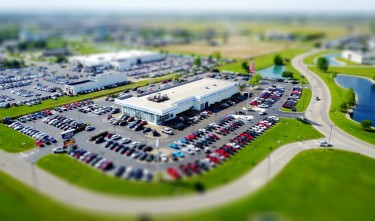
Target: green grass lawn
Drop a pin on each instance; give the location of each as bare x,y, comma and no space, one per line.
346,61
316,185
325,185
311,59
266,61
338,117
287,131
22,110
303,102
14,141
368,72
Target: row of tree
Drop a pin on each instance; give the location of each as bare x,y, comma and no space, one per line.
13,64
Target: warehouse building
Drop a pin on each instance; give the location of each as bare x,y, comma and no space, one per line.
119,61
359,57
97,81
162,106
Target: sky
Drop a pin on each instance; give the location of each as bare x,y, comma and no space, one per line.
189,5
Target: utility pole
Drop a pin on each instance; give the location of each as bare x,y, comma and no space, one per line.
158,160
330,133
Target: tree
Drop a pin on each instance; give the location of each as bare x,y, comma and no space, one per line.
245,66
350,97
343,106
61,59
216,54
287,74
278,60
255,80
366,124
197,61
322,64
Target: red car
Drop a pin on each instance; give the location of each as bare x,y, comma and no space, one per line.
109,135
213,136
39,143
173,173
48,112
193,167
214,159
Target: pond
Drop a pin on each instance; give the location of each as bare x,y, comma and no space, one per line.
274,71
365,91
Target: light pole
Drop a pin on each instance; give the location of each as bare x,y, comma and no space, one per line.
193,127
114,129
33,174
330,133
34,124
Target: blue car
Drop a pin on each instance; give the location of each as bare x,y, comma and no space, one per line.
174,146
184,140
178,154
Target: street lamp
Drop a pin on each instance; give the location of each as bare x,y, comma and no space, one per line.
34,124
114,129
33,175
330,133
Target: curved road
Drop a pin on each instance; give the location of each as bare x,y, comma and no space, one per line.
317,113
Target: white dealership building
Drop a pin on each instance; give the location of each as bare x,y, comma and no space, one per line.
359,57
119,61
162,106
95,81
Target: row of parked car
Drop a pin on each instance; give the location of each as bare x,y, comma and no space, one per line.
15,84
35,116
44,87
222,153
57,80
62,122
4,98
73,105
24,93
268,97
40,137
293,98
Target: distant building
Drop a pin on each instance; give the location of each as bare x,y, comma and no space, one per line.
118,60
279,36
359,57
95,82
27,35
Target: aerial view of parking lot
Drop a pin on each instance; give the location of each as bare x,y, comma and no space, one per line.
202,110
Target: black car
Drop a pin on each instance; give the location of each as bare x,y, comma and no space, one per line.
155,133
119,171
146,130
178,126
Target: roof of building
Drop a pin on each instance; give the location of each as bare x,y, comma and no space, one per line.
193,90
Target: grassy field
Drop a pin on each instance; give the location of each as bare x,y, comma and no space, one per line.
287,131
338,117
13,141
237,47
316,185
368,72
265,61
22,110
311,59
346,61
303,102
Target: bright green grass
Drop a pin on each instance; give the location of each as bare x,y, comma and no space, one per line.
287,131
338,117
22,110
265,61
14,141
303,102
368,72
20,202
346,61
325,185
311,58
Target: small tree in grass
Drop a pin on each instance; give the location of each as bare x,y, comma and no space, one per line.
245,66
278,60
350,97
366,124
287,74
323,64
343,106
197,61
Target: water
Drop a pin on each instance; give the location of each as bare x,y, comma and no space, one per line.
365,91
332,61
274,71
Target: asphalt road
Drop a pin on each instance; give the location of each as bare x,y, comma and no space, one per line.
317,113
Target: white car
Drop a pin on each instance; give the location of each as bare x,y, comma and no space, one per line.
125,140
262,113
128,172
163,158
58,150
323,143
167,130
116,137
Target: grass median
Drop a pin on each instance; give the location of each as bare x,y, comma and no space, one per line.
310,60
303,102
337,116
14,141
287,131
